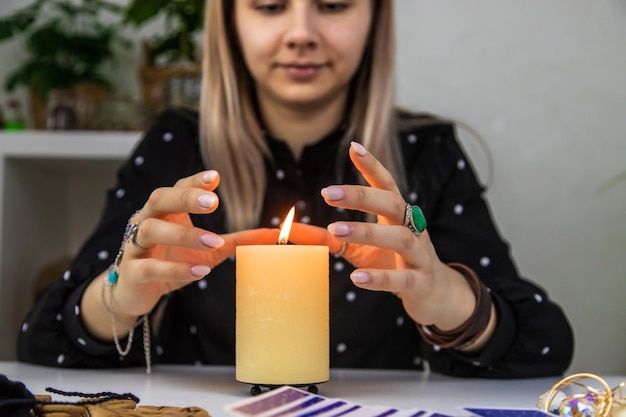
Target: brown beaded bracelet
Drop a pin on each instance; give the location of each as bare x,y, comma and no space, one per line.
473,327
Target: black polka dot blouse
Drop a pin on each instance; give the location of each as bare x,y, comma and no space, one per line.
367,329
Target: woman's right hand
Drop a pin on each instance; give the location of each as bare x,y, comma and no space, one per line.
168,252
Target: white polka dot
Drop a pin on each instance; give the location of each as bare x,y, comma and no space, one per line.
59,317
417,361
341,347
232,258
411,138
538,298
545,350
412,196
436,348
340,209
76,310
426,330
275,221
460,164
103,254
300,205
24,327
120,193
60,359
139,160
458,209
476,363
305,219
400,321
66,275
485,261
339,266
167,136
280,174
81,341
202,284
350,296
193,329
159,350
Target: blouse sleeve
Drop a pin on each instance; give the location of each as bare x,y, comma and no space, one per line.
52,333
533,338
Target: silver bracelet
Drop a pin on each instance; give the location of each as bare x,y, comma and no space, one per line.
110,281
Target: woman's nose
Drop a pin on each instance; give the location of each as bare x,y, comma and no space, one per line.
302,28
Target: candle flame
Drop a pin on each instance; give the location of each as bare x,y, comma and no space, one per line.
283,237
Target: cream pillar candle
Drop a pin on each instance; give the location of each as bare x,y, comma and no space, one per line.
282,334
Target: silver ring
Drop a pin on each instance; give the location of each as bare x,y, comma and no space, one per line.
414,219
131,235
341,251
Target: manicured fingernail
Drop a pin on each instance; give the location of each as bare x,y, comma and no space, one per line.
209,176
200,270
339,229
212,241
207,200
333,193
360,277
358,148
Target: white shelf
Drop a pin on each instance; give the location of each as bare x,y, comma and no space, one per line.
52,188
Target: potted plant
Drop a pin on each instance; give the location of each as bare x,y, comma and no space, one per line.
67,44
170,68
183,22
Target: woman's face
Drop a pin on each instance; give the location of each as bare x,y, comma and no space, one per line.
302,52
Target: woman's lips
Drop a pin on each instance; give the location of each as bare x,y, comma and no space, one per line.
302,71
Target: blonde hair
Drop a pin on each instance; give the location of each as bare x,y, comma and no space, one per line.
231,137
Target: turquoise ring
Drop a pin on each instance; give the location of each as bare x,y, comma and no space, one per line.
414,219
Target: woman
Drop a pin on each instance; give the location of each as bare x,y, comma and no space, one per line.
297,102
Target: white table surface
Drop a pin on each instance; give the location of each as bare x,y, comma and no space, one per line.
212,387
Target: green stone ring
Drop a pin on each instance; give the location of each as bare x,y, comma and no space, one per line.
414,219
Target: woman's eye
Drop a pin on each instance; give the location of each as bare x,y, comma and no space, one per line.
270,8
333,6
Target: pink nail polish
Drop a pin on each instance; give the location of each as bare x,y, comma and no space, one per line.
209,176
207,200
339,229
333,193
358,148
200,270
212,241
360,277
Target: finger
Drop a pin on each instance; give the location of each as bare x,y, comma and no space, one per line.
381,202
173,200
306,234
393,280
152,232
413,250
209,180
193,194
155,270
372,170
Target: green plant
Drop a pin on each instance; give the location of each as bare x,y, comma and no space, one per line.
183,21
66,40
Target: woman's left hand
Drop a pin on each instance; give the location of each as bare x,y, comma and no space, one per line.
388,255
